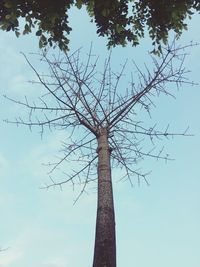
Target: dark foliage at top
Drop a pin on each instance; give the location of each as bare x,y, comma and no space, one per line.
121,21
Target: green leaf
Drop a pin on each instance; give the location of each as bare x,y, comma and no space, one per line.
105,12
8,17
119,28
8,4
27,29
190,12
79,4
38,33
17,33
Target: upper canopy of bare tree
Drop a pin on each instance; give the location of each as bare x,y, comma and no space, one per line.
80,97
121,21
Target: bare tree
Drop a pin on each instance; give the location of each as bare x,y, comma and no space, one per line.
102,120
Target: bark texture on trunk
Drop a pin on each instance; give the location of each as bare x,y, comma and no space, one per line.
105,243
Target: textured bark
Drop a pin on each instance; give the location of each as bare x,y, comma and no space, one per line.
105,243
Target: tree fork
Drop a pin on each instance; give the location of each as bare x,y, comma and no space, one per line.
105,242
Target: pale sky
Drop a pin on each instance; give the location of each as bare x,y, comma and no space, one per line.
156,225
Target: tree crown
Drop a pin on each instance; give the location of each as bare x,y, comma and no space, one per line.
85,102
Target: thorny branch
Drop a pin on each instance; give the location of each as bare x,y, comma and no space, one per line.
82,100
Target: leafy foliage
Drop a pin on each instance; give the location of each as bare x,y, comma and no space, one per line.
121,21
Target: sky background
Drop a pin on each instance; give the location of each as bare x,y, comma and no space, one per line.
156,225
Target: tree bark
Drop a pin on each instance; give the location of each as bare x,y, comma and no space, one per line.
105,243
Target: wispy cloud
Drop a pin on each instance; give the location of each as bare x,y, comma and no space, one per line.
10,256
43,153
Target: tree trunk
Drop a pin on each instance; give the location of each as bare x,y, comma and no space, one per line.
105,243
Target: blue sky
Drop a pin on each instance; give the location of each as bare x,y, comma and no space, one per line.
157,225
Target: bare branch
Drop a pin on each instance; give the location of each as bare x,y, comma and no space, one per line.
84,101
